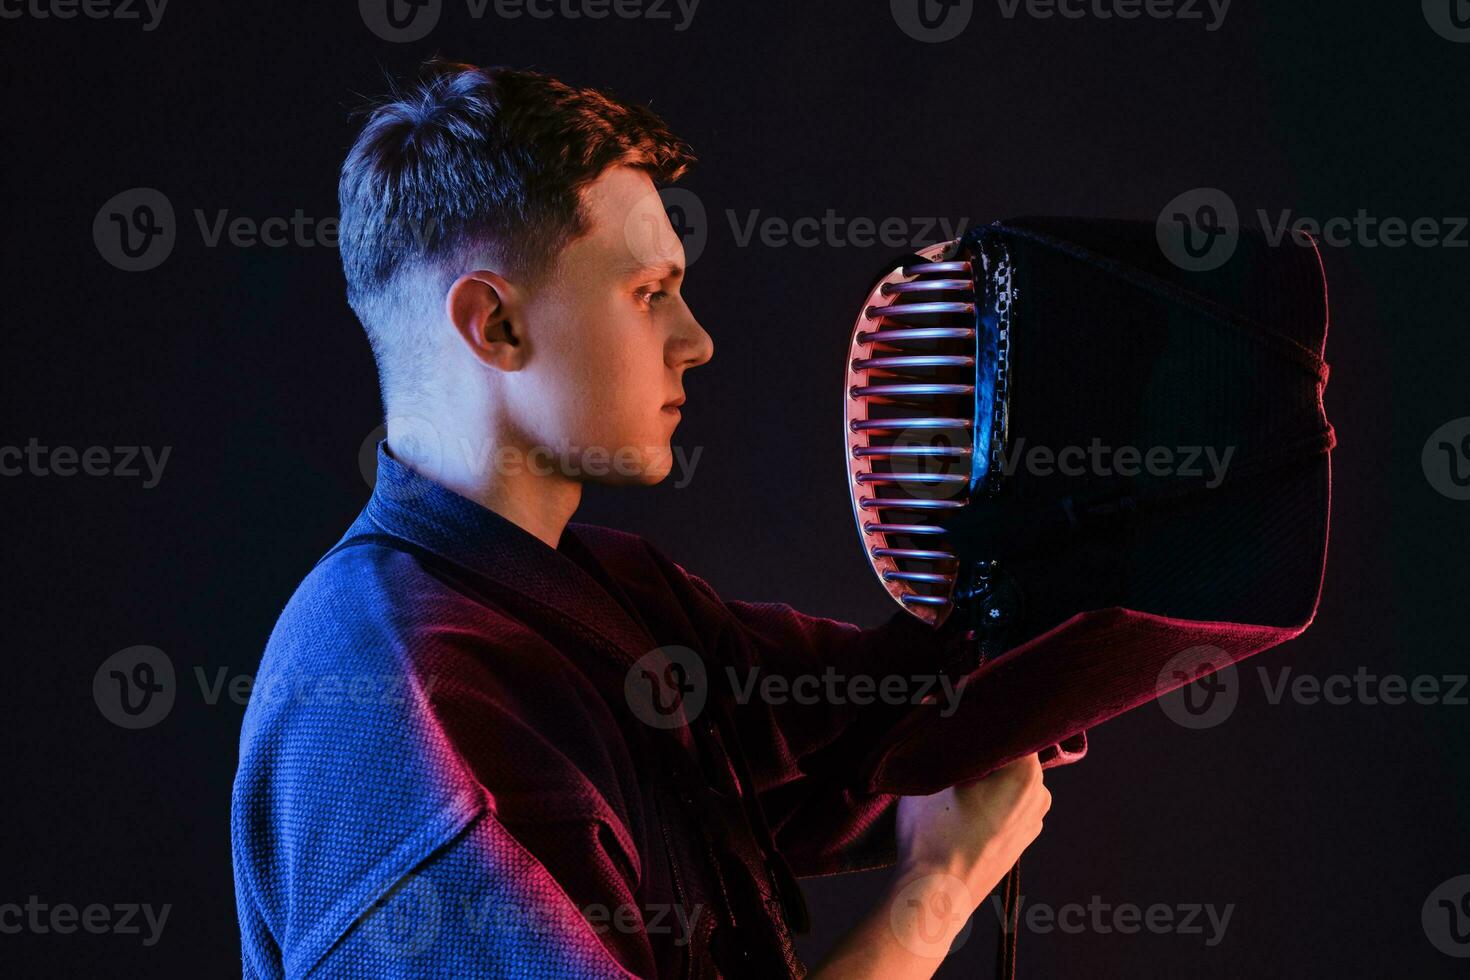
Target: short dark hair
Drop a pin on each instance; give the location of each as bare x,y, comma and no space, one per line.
470,162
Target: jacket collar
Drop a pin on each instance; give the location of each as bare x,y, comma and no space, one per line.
408,504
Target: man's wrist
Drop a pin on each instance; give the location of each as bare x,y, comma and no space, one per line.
908,934
928,907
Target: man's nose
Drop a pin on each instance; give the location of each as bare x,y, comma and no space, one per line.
696,346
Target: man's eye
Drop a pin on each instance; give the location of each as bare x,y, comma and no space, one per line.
651,296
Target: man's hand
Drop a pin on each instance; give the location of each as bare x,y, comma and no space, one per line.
976,831
953,849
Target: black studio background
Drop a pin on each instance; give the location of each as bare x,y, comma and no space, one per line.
1325,827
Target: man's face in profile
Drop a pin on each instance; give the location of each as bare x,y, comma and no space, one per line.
612,338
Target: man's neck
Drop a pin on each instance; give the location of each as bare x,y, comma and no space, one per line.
509,483
540,505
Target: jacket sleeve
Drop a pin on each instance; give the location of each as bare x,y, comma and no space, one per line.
812,697
397,814
483,906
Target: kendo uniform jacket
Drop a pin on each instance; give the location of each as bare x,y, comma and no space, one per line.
454,764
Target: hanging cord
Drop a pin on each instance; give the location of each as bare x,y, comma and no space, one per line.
1010,922
990,606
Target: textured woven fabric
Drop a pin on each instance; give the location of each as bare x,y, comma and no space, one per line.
441,772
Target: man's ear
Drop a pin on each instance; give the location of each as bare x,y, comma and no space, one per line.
485,310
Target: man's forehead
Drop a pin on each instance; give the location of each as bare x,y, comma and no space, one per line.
617,189
627,225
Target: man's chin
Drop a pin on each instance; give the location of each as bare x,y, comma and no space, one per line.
657,470
651,468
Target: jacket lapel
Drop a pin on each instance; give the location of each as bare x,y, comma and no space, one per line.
411,506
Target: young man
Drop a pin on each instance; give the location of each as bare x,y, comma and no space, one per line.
485,741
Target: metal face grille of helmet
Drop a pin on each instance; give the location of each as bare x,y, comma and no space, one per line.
925,403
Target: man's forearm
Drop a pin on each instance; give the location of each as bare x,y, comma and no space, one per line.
908,933
954,846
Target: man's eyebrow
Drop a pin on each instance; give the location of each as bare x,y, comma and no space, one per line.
665,270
